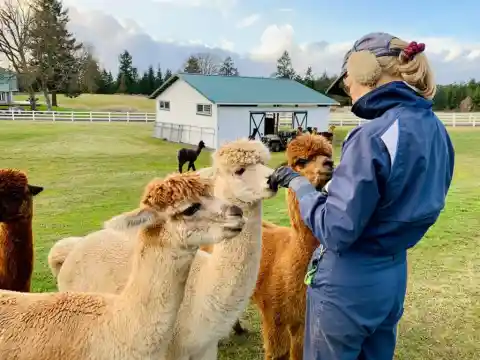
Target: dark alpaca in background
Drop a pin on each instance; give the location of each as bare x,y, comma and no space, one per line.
189,155
16,238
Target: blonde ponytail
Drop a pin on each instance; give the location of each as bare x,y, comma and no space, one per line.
415,70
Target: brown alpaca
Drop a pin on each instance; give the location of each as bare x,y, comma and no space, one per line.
280,291
16,240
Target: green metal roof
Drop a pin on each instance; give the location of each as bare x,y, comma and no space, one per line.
249,90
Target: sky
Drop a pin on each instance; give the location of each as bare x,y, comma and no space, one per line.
316,33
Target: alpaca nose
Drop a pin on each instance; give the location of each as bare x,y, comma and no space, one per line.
234,211
328,163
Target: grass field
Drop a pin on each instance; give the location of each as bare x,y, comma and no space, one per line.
97,102
94,171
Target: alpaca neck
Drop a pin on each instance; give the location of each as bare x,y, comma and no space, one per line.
307,242
199,150
16,254
233,266
149,303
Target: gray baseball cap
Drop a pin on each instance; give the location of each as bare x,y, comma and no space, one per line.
377,43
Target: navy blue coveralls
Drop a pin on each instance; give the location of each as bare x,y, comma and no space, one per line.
388,189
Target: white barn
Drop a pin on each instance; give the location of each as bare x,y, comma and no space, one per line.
216,109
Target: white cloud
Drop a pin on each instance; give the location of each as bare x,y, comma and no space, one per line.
110,37
214,4
248,21
227,45
451,59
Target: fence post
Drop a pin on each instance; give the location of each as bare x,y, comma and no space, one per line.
146,117
91,118
109,116
33,115
454,120
341,121
13,115
53,116
473,120
128,117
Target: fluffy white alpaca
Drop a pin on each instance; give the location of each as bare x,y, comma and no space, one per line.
220,284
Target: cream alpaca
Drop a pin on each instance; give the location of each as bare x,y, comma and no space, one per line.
219,285
177,215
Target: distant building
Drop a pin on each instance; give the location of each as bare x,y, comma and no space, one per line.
217,109
8,85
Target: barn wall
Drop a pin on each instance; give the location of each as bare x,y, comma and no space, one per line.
234,122
181,123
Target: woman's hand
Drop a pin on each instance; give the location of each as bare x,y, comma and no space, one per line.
281,177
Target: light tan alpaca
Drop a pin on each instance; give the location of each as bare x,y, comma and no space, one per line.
178,215
220,284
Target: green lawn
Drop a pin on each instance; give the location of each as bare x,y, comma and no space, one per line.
98,102
94,171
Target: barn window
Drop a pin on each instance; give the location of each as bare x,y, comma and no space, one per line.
164,105
204,109
3,96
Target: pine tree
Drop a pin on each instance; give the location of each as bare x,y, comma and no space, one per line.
151,80
158,77
228,68
308,79
192,65
125,77
284,67
54,50
168,75
135,82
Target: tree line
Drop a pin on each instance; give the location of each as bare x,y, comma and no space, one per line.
47,58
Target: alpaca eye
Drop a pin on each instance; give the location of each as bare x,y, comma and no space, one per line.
192,209
301,162
240,171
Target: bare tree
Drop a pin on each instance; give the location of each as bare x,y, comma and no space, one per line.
89,70
16,21
208,63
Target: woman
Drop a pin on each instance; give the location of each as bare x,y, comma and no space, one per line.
386,192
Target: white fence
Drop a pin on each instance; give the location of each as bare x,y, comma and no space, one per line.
77,116
187,134
448,118
335,118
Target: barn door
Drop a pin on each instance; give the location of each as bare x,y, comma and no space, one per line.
300,119
256,120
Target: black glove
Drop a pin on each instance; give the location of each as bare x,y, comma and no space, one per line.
281,177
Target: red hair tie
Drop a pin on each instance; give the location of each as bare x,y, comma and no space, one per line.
413,49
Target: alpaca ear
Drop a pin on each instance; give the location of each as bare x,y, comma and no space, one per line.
137,218
35,190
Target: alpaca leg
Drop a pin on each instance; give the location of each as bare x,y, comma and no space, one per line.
180,167
191,165
296,341
275,339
